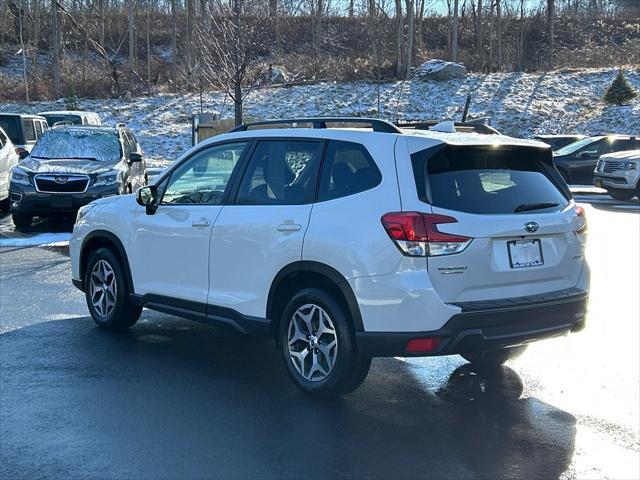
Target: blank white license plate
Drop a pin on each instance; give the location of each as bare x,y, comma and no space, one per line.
525,253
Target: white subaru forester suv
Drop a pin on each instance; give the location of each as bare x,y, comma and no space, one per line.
345,244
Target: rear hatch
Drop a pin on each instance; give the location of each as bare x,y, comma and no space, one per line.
526,235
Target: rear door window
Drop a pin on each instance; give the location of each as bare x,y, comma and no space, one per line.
486,180
29,131
281,172
348,169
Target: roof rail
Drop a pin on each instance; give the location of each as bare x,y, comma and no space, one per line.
377,124
468,126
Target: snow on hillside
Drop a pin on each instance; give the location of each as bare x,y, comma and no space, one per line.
521,104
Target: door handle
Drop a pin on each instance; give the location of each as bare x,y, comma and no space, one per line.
203,222
289,227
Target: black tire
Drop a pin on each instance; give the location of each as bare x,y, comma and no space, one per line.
123,314
621,195
350,368
494,358
21,221
4,205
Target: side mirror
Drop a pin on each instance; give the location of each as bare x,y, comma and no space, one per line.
148,198
588,155
23,154
135,157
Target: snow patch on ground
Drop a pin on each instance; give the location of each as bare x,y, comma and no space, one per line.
521,104
41,239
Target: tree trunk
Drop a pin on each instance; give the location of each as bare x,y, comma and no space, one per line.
132,47
237,86
551,13
174,43
479,31
25,79
55,42
499,33
399,29
410,34
190,15
101,15
454,35
521,40
491,28
149,46
419,23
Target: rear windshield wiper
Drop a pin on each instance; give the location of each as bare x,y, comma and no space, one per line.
526,207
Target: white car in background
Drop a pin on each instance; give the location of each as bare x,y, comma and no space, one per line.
71,117
8,159
345,244
619,174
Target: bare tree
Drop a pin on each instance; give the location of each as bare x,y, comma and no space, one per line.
174,43
454,34
499,33
399,38
410,34
551,13
132,40
55,42
227,42
23,50
479,32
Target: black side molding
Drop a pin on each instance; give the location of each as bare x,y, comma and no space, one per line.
204,313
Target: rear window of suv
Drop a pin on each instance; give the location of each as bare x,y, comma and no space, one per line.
488,180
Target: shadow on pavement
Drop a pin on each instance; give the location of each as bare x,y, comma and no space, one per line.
174,399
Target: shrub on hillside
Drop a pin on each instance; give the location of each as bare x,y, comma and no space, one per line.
620,92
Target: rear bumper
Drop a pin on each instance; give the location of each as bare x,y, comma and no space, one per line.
490,325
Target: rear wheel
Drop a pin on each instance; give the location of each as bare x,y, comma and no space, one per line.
21,221
318,345
107,293
622,195
494,358
4,205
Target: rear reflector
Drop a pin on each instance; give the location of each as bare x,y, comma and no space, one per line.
416,234
423,345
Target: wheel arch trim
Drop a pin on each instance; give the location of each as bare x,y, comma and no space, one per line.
114,241
307,266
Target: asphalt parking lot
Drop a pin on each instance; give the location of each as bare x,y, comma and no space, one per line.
175,399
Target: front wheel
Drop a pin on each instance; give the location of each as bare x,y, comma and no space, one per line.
107,293
621,195
21,221
494,358
318,345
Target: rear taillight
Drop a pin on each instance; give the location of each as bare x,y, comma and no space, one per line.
416,234
581,231
20,150
423,345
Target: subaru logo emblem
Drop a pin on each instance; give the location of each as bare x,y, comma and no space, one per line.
531,227
62,179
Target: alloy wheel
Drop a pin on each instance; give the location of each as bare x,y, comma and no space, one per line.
312,342
104,288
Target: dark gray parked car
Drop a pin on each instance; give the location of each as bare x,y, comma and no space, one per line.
71,166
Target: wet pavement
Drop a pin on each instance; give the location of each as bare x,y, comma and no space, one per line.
175,399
